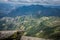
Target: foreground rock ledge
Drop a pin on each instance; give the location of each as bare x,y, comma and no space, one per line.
11,34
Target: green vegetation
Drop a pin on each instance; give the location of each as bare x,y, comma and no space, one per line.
42,27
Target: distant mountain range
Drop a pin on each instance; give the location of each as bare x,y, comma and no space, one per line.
40,10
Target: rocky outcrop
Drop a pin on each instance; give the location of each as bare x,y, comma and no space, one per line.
11,34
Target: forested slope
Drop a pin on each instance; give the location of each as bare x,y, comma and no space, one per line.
43,27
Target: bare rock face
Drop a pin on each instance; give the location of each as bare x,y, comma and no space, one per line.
10,34
5,34
33,38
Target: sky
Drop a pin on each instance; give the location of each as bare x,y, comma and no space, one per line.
52,2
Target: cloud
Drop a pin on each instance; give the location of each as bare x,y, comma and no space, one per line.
3,0
54,2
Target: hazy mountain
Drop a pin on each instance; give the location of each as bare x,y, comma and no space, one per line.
4,9
36,10
39,10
